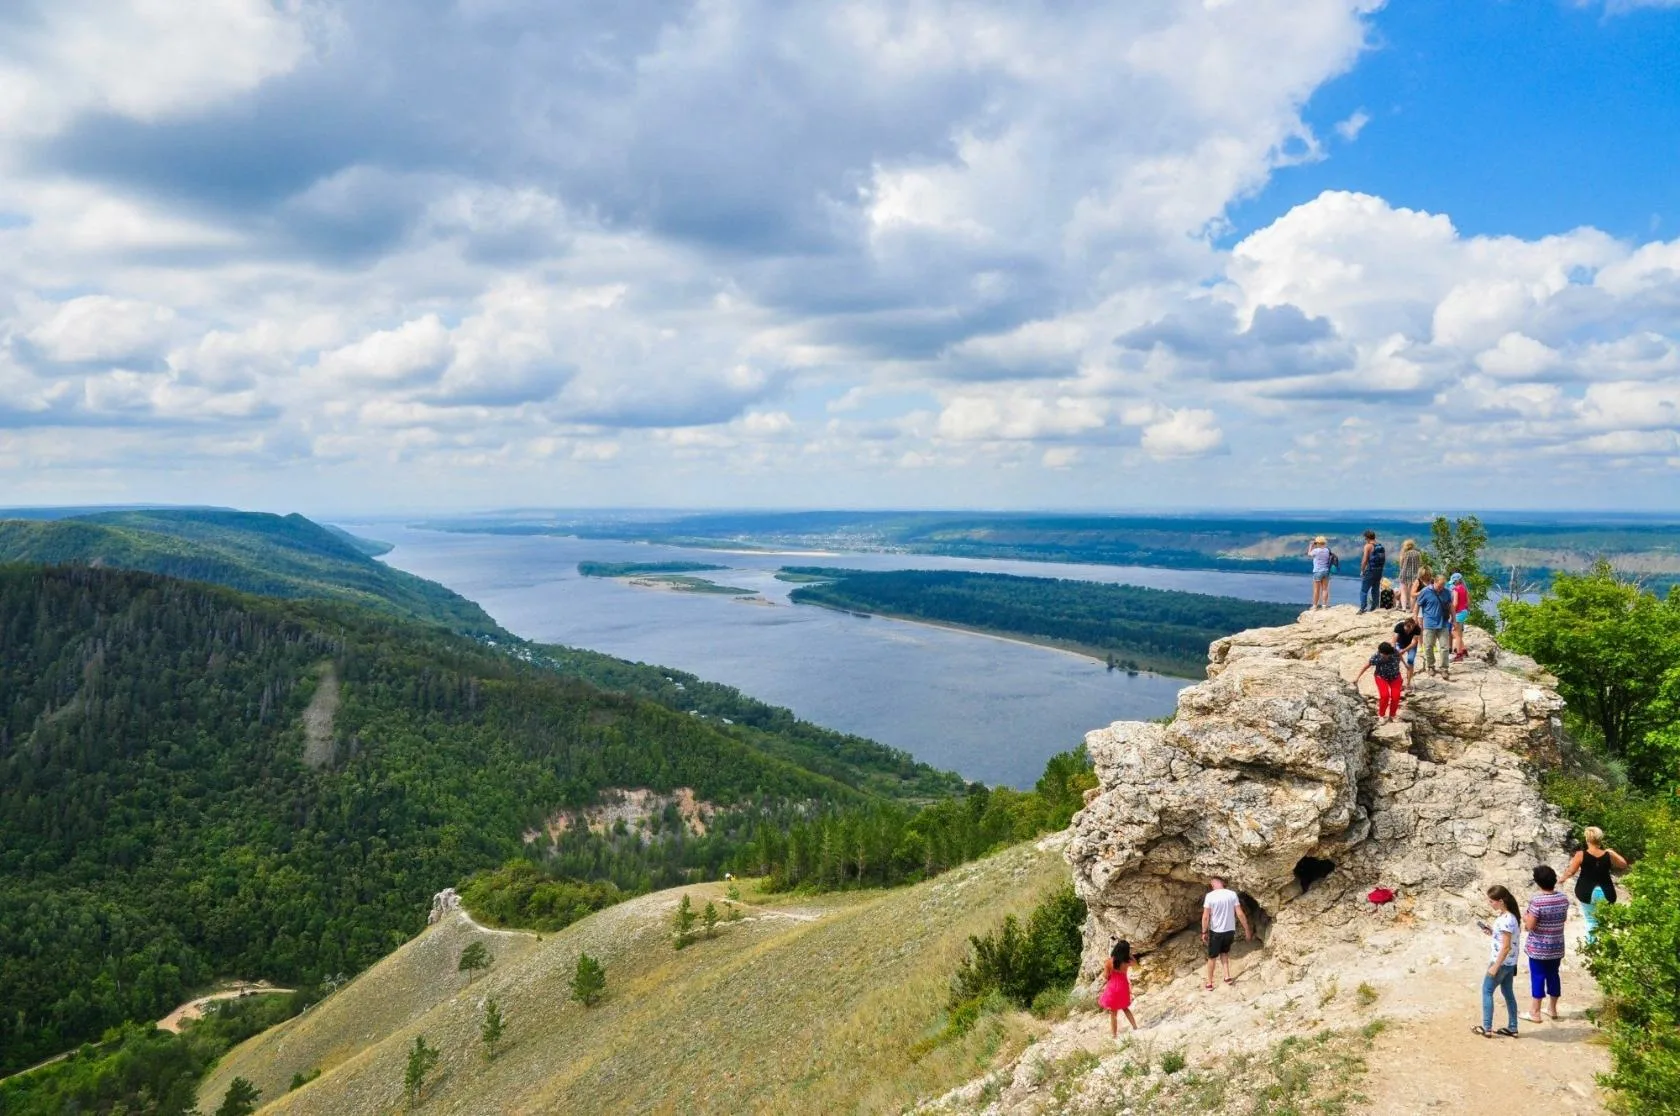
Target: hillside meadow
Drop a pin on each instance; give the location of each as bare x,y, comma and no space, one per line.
811,1004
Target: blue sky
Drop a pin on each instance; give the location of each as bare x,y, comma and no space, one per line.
1517,117
360,255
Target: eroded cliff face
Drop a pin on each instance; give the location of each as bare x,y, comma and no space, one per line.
1276,767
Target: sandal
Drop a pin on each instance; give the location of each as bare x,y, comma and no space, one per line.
1207,988
1507,1032
1478,1029
1230,980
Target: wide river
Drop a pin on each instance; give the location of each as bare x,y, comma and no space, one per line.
991,709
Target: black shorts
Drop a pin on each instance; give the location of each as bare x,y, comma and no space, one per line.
1219,942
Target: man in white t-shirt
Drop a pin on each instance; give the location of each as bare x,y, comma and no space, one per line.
1221,912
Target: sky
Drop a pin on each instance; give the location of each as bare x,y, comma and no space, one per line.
348,256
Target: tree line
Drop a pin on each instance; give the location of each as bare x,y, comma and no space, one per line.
1162,629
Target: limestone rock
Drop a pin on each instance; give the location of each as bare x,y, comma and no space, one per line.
444,903
1277,758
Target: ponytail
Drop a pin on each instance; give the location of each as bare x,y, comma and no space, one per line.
1500,894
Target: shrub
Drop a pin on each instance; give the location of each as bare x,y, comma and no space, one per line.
1636,958
1022,964
1627,816
1172,1061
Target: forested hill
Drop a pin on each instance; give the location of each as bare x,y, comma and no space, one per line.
1153,629
159,826
273,555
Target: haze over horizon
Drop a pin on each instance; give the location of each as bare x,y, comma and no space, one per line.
353,256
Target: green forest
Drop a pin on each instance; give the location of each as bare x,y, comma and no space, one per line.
1133,627
271,555
158,827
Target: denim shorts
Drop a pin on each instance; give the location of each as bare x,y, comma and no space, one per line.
1325,576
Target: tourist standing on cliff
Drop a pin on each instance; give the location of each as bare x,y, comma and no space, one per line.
1372,557
1594,865
1411,565
1461,613
1221,912
1434,611
1320,554
1544,919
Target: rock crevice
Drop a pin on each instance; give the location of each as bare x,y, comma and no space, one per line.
1278,759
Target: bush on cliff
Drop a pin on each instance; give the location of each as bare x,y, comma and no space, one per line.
1021,964
1636,959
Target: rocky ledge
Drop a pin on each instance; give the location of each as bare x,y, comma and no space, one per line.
1275,774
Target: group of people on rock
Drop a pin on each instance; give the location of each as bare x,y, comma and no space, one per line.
1439,607
1538,931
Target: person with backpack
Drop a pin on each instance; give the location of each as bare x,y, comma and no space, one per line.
1322,559
1371,560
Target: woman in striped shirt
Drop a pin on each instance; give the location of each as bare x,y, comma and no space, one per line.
1544,921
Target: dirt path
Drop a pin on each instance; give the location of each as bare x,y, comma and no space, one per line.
318,745
483,929
1435,1065
193,1009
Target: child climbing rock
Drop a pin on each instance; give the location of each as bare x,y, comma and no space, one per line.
1386,663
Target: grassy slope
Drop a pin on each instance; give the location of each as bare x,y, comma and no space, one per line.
271,555
775,1015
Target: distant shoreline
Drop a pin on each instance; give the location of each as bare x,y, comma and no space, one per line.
1078,651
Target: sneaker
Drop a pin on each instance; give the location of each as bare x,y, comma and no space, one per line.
1361,612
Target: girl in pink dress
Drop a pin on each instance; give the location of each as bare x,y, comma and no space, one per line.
1116,995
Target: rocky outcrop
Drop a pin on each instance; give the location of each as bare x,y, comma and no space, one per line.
1275,770
444,903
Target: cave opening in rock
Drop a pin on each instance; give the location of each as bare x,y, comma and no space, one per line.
1310,869
1259,918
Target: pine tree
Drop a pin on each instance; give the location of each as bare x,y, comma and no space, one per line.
421,1060
491,1029
684,922
474,958
709,917
240,1099
589,981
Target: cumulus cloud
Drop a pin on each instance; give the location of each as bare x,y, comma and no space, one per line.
1184,433
512,237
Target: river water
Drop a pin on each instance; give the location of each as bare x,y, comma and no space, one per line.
991,709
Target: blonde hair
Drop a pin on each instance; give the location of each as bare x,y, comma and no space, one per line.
1594,835
1320,540
1409,544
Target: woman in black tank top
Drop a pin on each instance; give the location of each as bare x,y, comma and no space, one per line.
1594,866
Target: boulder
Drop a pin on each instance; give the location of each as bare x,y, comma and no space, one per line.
1275,775
443,904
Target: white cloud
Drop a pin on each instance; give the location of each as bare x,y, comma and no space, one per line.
1350,128
101,328
416,350
141,58
1183,433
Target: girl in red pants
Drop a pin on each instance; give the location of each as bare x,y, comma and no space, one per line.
1387,665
